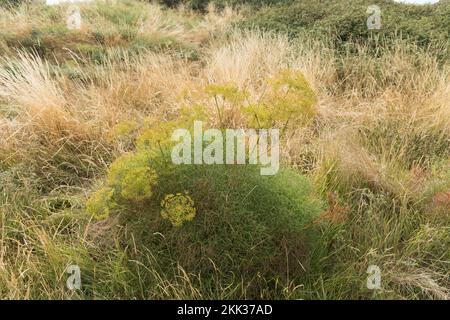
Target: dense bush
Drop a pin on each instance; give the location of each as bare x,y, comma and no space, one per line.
202,4
346,20
228,220
193,4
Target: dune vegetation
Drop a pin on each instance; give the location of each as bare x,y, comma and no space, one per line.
86,179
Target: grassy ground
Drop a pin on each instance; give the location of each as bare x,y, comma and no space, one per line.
365,176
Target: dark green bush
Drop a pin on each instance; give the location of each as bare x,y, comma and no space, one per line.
202,4
345,21
193,4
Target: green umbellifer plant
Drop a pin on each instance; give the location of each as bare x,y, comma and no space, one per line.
217,218
132,177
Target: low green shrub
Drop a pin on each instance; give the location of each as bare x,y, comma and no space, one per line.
345,21
223,223
215,221
123,13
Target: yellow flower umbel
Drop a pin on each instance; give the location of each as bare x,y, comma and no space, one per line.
100,202
227,91
156,138
132,176
178,208
291,100
123,129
